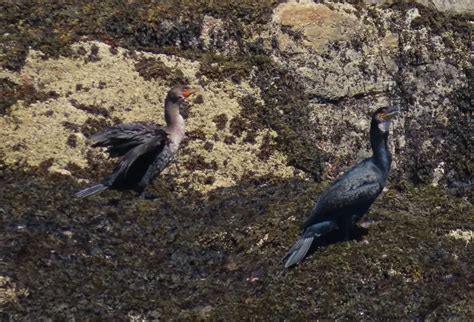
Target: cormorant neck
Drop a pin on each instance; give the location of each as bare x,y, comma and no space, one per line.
175,125
380,149
171,113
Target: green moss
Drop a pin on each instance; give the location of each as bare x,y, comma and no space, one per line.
266,148
220,121
72,141
286,111
199,163
14,58
92,109
51,26
94,125
11,92
222,67
150,68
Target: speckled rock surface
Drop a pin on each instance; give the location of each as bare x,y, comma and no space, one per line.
288,89
91,95
448,6
383,56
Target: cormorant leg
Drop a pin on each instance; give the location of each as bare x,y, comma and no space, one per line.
141,191
142,186
347,228
144,196
348,232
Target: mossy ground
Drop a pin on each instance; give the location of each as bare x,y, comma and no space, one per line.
113,256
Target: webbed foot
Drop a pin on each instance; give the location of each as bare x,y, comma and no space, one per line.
145,196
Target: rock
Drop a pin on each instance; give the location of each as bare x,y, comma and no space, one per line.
317,71
129,97
387,55
318,24
449,6
289,88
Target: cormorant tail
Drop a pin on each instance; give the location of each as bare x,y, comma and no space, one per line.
298,252
91,190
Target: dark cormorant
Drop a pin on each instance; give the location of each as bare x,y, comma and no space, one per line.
145,150
350,196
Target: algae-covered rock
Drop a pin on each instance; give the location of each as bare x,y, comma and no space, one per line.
288,90
119,88
452,7
366,58
292,66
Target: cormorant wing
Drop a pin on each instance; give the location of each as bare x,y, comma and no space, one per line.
355,189
131,141
123,138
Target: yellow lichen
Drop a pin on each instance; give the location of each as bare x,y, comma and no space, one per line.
318,23
465,235
9,292
111,83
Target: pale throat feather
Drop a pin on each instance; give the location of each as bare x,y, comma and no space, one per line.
176,132
384,126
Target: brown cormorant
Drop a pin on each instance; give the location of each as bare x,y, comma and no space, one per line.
145,150
350,196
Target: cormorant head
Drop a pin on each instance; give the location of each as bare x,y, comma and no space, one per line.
179,93
382,117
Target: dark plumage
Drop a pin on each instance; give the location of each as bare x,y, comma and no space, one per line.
350,196
145,150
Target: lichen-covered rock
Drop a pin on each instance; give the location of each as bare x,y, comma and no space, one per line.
306,61
387,56
288,89
92,95
449,6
